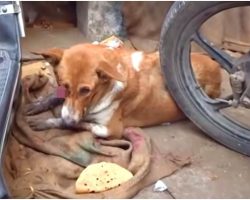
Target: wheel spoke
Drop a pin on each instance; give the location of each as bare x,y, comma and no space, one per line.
218,103
221,105
226,61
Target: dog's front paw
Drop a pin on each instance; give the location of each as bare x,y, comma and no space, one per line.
82,126
39,124
33,108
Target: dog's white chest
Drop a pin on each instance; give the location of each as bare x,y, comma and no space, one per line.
105,109
104,116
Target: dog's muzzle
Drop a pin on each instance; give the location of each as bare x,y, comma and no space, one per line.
69,116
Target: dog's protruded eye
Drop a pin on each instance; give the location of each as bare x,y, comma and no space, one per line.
84,90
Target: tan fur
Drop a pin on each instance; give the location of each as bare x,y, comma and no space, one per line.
144,100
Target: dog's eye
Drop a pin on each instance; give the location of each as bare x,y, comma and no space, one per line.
84,90
66,86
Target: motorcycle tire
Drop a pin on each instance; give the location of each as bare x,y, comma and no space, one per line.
181,22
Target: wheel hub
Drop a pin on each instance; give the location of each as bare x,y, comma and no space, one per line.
240,82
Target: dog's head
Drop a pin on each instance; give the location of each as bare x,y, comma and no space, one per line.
88,72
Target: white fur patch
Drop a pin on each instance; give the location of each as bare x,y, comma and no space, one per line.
113,44
65,111
99,130
136,59
104,110
95,42
108,98
118,86
104,116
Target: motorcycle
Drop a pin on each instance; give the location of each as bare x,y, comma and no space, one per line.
12,28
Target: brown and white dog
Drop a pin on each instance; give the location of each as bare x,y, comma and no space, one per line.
109,89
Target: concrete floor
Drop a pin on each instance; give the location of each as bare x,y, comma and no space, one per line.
216,172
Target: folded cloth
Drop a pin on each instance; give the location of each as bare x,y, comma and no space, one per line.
46,164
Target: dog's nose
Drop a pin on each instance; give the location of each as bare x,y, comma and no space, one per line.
69,121
68,116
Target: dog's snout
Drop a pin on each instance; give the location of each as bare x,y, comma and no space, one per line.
69,122
69,115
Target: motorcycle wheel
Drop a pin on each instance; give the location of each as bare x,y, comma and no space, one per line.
180,28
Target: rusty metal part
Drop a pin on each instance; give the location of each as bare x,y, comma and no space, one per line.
240,82
237,80
245,102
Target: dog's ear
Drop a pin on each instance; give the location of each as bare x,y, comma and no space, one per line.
53,56
106,72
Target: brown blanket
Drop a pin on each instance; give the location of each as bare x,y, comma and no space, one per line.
46,164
